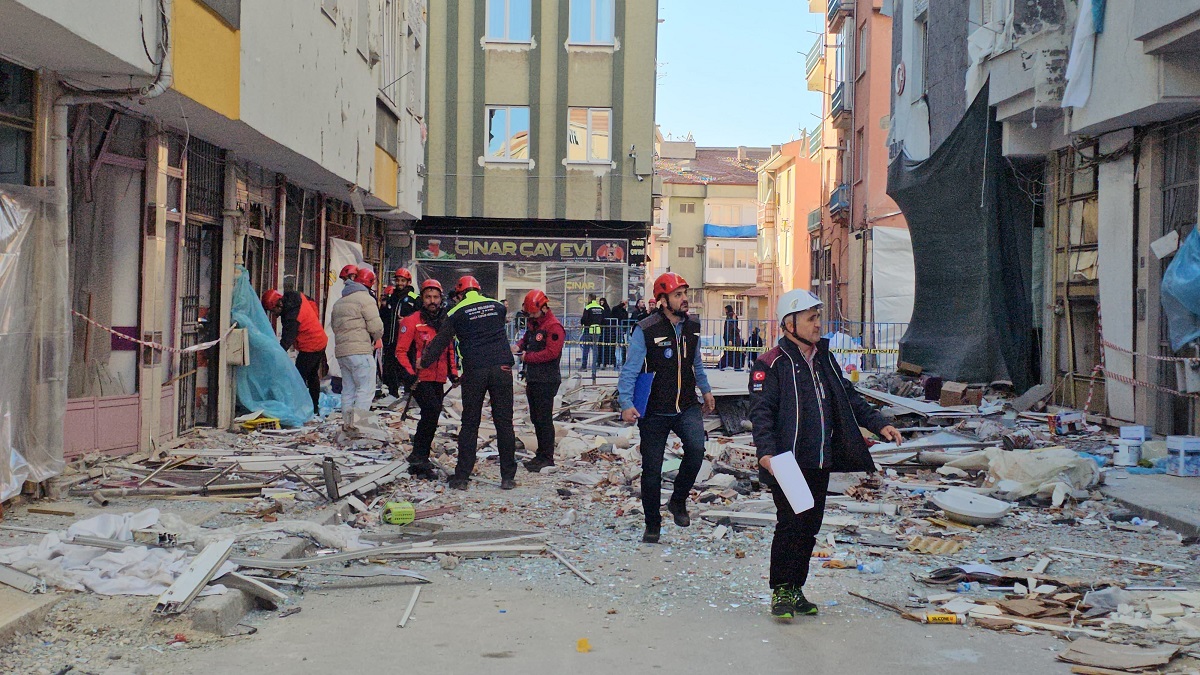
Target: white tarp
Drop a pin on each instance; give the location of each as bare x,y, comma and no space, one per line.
1082,59
893,285
341,253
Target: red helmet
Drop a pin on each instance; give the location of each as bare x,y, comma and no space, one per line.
431,283
667,283
387,290
270,299
402,273
365,276
467,283
348,272
534,300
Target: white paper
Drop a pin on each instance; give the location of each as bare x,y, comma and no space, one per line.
787,473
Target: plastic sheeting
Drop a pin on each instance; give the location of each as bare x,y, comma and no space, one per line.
971,228
34,335
1181,293
271,382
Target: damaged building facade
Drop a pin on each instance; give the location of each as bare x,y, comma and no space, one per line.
184,141
1086,116
542,154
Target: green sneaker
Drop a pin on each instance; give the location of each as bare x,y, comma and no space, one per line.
783,603
803,606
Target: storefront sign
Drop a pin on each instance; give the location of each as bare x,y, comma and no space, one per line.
637,251
455,247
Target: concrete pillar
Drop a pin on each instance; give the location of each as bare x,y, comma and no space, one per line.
153,290
1115,237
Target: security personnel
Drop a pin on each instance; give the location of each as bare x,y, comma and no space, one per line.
540,349
800,403
302,330
666,344
416,332
478,323
400,302
591,327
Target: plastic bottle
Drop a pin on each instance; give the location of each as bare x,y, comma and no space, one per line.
871,567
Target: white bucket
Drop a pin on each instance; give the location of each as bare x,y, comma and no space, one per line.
1127,452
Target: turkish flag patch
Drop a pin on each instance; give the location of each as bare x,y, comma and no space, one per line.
759,375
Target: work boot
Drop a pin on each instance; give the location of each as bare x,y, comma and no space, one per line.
457,483
783,602
508,483
803,606
422,471
536,464
650,536
679,513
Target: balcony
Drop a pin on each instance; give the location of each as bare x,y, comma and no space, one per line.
814,143
840,106
817,6
766,215
839,201
662,232
838,11
814,220
814,65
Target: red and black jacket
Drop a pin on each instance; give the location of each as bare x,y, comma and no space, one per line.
543,344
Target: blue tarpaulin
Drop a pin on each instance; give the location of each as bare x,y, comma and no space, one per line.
271,382
731,231
1180,294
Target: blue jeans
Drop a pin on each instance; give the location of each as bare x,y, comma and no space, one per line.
587,339
689,427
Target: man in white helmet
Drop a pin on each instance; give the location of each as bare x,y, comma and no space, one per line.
800,403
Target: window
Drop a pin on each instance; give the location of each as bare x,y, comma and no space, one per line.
16,123
329,7
364,29
720,257
588,135
737,302
860,155
507,134
814,263
592,22
391,64
861,65
920,59
687,207
509,21
695,298
687,252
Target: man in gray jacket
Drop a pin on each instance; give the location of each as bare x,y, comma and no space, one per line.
357,329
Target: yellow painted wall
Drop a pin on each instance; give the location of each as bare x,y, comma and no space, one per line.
386,170
207,56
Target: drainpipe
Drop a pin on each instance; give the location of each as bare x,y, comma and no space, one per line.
166,73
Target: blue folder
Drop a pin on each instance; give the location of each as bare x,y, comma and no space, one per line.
641,392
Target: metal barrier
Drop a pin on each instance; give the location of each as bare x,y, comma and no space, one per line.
867,346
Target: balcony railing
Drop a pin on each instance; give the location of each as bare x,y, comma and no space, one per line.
814,143
814,56
766,214
839,201
840,105
814,220
838,10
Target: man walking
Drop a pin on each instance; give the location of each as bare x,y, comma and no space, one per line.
540,349
665,344
620,317
799,403
401,302
428,385
356,328
478,323
591,324
302,330
733,337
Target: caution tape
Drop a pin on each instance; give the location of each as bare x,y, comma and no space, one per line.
1138,383
1152,357
154,345
757,350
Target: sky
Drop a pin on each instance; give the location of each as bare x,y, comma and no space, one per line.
731,72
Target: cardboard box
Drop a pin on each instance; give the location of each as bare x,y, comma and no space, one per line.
972,397
952,394
1189,443
1136,433
1065,423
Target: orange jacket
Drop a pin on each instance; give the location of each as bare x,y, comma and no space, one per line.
415,335
301,324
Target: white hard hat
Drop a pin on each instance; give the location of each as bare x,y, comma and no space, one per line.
795,301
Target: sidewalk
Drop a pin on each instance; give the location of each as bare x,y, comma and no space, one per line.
1171,500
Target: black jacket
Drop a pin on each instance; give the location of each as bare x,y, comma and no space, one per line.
781,376
479,324
672,360
396,306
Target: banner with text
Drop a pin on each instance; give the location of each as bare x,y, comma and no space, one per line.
531,249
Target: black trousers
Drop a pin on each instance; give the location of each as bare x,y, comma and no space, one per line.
541,411
796,533
497,383
428,396
391,370
309,365
654,429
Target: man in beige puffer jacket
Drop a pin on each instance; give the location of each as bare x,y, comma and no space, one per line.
356,329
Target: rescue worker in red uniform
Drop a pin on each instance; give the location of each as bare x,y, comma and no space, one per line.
540,350
301,329
415,333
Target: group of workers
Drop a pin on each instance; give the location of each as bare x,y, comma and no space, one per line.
799,401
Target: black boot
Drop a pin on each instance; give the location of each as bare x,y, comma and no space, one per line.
650,536
679,513
536,464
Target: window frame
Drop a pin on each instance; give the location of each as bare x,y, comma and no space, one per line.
571,4
507,158
588,137
507,23
687,207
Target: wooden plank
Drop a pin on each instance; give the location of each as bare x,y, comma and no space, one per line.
562,559
412,602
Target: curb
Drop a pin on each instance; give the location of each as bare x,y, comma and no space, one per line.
23,613
1185,527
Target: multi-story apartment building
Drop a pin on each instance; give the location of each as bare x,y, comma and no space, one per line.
176,143
1084,142
541,147
789,214
706,226
861,250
